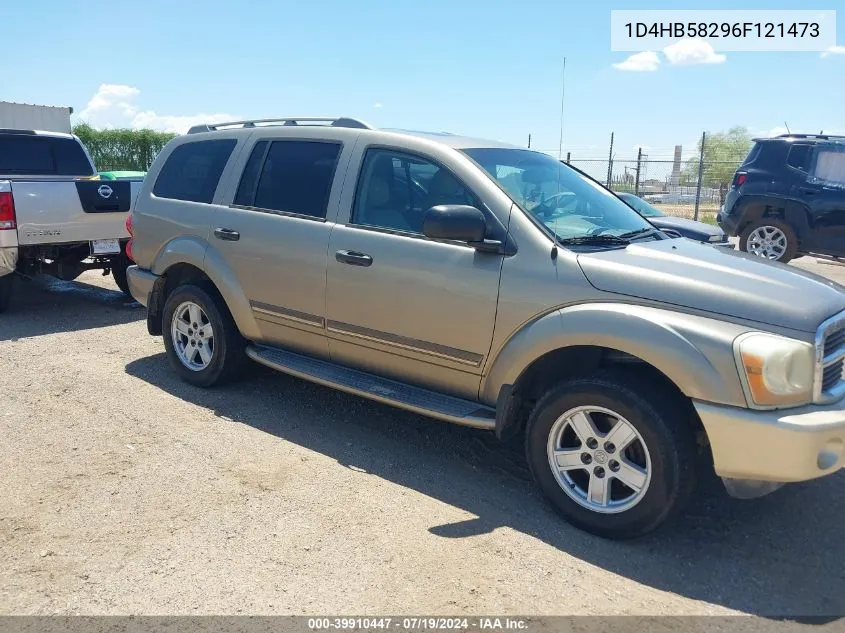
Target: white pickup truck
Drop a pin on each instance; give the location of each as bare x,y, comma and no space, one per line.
56,216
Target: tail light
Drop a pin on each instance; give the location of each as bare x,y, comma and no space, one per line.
129,230
739,178
7,211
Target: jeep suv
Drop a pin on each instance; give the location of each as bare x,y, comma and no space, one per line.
788,198
445,276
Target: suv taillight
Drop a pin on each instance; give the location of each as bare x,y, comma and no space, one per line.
7,211
739,178
129,230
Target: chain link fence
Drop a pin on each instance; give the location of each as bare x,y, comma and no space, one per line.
690,184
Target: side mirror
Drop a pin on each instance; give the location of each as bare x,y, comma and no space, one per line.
458,222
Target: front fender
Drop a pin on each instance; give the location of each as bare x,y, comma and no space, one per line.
696,353
198,253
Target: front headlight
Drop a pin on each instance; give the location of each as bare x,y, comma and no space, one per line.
714,238
777,371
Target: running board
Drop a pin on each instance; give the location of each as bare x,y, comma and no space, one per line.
392,392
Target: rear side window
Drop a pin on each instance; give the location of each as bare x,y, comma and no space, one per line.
296,178
43,156
799,157
192,170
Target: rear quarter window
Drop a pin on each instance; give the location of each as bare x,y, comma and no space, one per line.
192,170
34,155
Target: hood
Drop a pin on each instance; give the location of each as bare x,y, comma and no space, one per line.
716,280
686,227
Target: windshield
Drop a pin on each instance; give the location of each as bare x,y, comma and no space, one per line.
570,205
642,207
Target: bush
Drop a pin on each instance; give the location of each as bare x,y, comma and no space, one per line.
132,150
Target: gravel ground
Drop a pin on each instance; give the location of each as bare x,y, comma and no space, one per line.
127,491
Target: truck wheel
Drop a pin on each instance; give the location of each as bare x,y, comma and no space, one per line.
612,455
118,271
770,239
202,341
6,282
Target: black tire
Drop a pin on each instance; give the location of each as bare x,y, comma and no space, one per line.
6,284
228,359
663,420
791,239
118,272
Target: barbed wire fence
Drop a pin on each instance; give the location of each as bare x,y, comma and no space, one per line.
683,182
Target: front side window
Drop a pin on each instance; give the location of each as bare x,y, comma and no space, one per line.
395,190
192,170
567,203
296,178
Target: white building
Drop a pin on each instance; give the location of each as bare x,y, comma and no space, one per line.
25,116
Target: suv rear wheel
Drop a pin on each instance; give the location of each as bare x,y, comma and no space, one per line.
612,455
770,239
202,341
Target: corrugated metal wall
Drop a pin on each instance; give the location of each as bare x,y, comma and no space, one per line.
24,116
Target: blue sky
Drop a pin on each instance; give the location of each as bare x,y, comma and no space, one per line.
489,69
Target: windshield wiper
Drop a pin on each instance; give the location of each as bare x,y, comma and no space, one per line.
598,240
648,230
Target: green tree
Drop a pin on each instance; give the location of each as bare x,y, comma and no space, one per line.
723,153
123,148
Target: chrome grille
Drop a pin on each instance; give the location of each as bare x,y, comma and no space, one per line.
830,360
834,342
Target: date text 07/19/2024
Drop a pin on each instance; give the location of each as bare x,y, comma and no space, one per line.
418,624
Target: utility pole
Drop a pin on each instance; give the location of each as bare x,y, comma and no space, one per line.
700,174
610,162
639,162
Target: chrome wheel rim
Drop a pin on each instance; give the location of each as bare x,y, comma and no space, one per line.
768,242
193,336
599,459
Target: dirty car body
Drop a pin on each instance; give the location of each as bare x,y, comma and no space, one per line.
426,272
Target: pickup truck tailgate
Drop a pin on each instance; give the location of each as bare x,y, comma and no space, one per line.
61,210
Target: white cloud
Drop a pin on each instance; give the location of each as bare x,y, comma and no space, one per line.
834,50
115,106
692,51
378,104
647,61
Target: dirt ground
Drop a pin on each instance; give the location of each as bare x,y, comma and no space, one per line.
126,491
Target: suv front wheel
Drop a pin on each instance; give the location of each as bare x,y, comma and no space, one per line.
202,341
613,456
770,239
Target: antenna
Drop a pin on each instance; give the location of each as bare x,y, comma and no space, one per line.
562,95
787,127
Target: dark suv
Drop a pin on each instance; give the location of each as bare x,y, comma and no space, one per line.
787,198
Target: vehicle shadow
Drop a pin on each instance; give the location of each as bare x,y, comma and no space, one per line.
776,556
45,305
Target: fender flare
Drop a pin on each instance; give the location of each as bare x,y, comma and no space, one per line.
695,353
200,254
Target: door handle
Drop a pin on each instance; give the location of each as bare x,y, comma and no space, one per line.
353,258
227,234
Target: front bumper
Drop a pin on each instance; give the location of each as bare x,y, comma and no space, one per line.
140,284
785,445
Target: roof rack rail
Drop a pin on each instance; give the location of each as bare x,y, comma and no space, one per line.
822,136
332,121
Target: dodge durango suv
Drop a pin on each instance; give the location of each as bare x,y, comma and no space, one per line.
492,286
